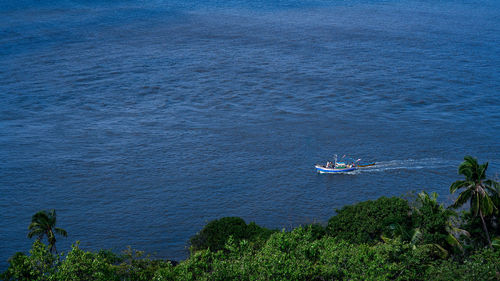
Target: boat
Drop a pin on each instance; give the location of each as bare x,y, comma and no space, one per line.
335,167
332,170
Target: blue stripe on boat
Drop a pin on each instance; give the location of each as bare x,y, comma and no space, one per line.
336,170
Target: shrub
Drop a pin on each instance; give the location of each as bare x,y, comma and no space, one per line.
81,265
39,265
297,255
215,234
365,222
135,265
482,265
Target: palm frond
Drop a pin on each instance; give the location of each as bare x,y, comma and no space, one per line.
457,185
423,197
36,232
495,242
40,215
416,237
453,241
442,251
434,197
462,198
487,205
492,186
468,168
52,217
457,231
465,169
482,171
34,225
61,231
41,219
469,159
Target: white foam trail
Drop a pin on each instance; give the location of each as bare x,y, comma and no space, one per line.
410,164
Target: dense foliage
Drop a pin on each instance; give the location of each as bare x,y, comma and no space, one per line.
38,265
434,225
383,239
295,255
365,222
215,234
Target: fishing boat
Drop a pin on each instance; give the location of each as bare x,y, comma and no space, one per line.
332,170
335,167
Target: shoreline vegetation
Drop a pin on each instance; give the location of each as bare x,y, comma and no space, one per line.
413,238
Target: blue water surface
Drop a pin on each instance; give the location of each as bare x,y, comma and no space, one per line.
140,121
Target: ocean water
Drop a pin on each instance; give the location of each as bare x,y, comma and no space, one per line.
140,121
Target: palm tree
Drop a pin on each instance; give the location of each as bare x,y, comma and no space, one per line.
433,226
43,223
477,190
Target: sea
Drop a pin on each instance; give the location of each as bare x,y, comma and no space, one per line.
140,121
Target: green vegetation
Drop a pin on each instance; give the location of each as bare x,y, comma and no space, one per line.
215,234
40,264
434,225
481,192
383,239
365,222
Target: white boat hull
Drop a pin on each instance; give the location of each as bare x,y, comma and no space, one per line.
324,170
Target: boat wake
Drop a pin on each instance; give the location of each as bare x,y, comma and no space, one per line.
410,164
